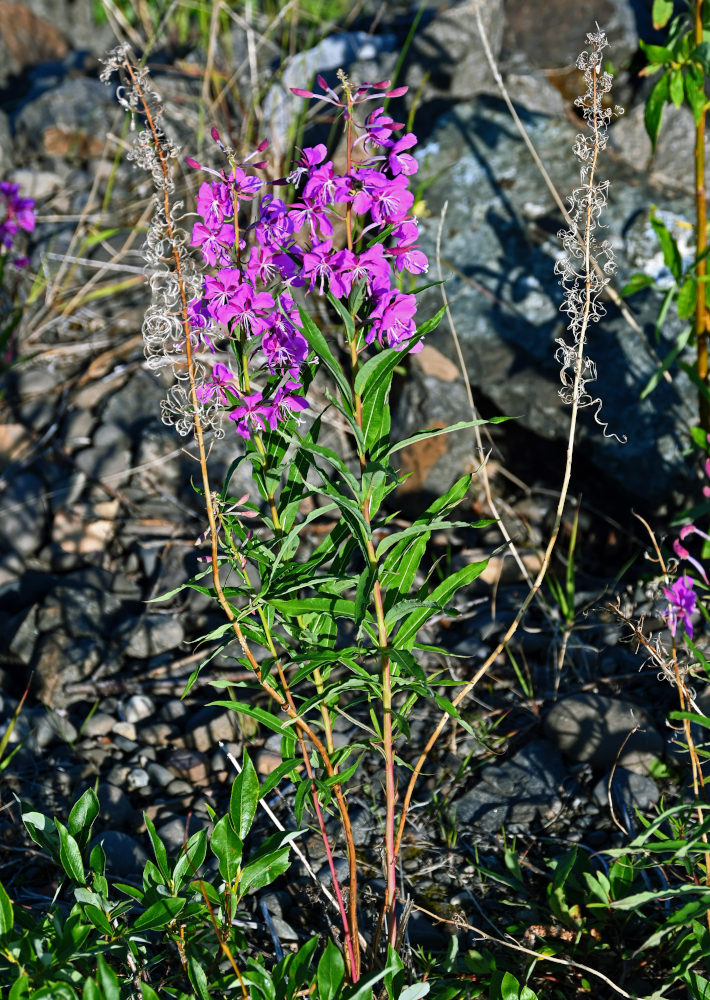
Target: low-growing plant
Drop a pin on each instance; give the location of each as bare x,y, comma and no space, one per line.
17,216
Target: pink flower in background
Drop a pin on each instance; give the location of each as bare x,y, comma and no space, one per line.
681,604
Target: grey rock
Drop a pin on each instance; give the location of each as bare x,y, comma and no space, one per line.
175,832
209,726
116,810
592,727
125,858
77,16
137,708
69,117
629,790
125,731
155,634
137,778
24,521
53,728
100,724
37,184
516,792
505,299
446,57
157,733
159,775
173,710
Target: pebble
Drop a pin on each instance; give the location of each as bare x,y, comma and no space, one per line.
53,728
137,778
190,765
153,635
115,806
158,733
208,727
124,733
175,831
635,791
125,858
100,724
267,761
173,710
592,727
137,708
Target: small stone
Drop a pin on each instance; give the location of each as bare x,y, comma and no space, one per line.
100,724
175,832
160,776
635,791
158,733
118,775
137,708
180,789
124,856
173,710
155,634
137,778
124,736
53,728
115,806
189,765
209,726
592,727
267,761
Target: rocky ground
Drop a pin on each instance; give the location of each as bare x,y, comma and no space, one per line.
98,516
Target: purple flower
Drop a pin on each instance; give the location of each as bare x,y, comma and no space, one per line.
221,377
379,127
250,308
318,263
220,291
312,156
274,227
214,204
19,214
252,414
215,244
401,162
394,315
286,403
681,605
325,187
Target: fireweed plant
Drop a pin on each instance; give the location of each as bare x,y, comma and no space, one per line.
16,216
337,625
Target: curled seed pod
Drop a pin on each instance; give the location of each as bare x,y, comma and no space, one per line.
587,263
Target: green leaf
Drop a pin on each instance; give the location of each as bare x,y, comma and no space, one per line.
394,974
107,980
198,978
99,919
675,87
654,108
345,315
669,247
263,870
161,855
227,848
694,83
636,283
82,816
336,606
440,595
245,708
330,974
414,992
90,991
701,54
657,53
319,344
435,432
686,297
159,914
7,916
148,993
667,362
244,798
191,858
661,13
700,720
20,987
70,855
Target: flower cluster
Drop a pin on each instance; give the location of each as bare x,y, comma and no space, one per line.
248,294
681,595
19,214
